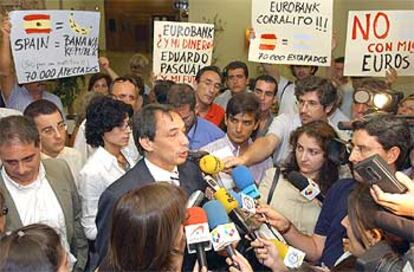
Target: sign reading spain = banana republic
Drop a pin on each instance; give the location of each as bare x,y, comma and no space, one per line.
49,44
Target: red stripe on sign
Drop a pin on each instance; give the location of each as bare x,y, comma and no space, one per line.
36,30
32,17
268,36
267,47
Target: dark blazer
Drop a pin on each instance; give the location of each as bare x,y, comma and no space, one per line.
60,179
190,180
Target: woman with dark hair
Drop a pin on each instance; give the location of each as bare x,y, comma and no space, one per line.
147,231
363,233
309,157
99,83
108,130
34,247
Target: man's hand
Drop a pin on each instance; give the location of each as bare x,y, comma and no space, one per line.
400,204
231,162
268,255
391,76
6,28
278,221
240,261
104,63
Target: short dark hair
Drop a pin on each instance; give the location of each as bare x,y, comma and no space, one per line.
211,68
41,107
35,247
236,65
314,69
327,93
268,79
102,115
21,128
180,95
389,131
161,88
145,123
245,102
98,76
126,78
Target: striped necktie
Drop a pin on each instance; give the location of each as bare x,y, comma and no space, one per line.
175,178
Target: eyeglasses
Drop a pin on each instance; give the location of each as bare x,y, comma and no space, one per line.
125,126
50,130
4,211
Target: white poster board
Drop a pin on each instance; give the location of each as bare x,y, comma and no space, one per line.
49,44
379,40
181,50
291,32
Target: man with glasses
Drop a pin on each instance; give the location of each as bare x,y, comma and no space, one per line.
208,84
265,89
317,97
199,131
52,130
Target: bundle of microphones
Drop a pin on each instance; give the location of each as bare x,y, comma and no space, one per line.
229,216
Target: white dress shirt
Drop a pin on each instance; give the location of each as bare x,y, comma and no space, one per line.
160,174
100,171
73,158
37,203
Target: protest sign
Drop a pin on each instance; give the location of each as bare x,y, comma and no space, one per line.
181,50
48,44
379,40
292,32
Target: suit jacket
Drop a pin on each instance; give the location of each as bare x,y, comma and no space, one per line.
190,180
60,179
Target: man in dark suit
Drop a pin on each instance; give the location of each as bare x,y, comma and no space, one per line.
160,135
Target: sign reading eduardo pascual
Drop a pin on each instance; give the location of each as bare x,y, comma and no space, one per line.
49,44
181,50
292,32
379,40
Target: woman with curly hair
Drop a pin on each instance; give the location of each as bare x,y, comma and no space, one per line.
147,232
310,158
108,129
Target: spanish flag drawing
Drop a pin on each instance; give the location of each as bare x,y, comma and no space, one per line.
267,42
37,23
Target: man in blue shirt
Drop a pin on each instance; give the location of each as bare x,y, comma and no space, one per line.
384,135
200,132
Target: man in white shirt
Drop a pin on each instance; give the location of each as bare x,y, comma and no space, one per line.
52,130
237,80
317,98
38,191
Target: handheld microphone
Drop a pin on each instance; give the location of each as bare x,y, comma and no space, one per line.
245,181
196,155
223,233
198,234
211,165
230,204
308,188
195,199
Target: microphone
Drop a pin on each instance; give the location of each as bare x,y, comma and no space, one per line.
196,155
211,165
308,188
197,234
195,199
223,233
245,181
397,225
230,205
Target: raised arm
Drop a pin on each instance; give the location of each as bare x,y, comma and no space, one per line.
104,63
7,79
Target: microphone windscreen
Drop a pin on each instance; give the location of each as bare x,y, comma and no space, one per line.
298,180
228,202
211,165
216,214
242,177
195,215
236,196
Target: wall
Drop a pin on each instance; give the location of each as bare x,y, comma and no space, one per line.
235,16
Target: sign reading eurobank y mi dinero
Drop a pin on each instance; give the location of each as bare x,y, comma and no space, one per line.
49,44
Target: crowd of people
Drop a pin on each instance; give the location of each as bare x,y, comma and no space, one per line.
117,198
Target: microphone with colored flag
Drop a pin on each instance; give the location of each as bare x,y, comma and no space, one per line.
308,188
231,205
198,234
244,180
223,232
